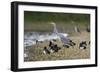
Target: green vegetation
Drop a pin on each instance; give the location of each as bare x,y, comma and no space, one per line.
37,21
56,17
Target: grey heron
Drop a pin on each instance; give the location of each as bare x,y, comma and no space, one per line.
64,39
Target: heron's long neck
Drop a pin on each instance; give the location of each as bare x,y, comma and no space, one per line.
55,30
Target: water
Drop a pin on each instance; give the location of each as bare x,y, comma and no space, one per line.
31,38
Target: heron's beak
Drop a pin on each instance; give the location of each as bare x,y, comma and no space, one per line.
54,24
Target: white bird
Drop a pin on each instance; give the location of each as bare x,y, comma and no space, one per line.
31,40
63,36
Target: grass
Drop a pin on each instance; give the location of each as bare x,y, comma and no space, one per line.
35,53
